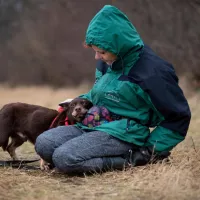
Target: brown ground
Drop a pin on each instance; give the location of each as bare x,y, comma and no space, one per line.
178,179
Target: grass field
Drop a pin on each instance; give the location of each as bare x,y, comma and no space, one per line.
179,179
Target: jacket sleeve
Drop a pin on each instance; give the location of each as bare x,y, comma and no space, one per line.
169,100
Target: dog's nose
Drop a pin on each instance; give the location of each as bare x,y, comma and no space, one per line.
78,109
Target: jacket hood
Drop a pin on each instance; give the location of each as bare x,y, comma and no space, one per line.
111,30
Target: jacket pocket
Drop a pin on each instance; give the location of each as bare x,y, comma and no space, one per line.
137,132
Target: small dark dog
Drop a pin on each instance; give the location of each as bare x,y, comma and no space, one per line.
25,122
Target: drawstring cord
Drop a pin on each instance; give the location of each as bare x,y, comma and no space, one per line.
122,64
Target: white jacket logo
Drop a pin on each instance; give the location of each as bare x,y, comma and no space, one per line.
112,95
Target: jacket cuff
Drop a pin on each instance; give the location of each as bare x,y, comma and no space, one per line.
163,139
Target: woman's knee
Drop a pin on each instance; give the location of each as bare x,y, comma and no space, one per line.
44,147
49,140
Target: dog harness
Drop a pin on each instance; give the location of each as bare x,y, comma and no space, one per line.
67,122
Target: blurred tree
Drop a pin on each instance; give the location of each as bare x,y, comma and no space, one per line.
41,41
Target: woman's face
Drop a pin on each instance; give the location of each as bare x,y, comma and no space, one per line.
105,56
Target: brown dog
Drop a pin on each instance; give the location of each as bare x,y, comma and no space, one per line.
25,122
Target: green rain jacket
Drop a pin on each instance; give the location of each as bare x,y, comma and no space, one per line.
139,86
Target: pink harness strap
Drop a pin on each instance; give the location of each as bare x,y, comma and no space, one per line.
67,122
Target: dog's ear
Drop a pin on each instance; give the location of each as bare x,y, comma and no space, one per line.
65,104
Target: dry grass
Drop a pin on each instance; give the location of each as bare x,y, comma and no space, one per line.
178,179
45,96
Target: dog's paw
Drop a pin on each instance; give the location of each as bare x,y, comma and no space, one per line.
44,166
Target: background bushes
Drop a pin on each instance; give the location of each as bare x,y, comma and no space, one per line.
41,40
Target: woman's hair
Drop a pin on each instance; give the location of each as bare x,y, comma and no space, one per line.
86,45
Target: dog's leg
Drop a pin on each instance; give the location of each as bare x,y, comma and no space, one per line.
16,141
5,144
44,165
6,124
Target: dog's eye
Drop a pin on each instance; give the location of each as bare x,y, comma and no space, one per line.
83,102
72,105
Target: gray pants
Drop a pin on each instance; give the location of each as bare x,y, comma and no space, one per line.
72,150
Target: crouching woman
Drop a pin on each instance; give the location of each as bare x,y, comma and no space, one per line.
139,89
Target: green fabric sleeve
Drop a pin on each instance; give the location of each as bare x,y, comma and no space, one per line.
87,96
163,139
